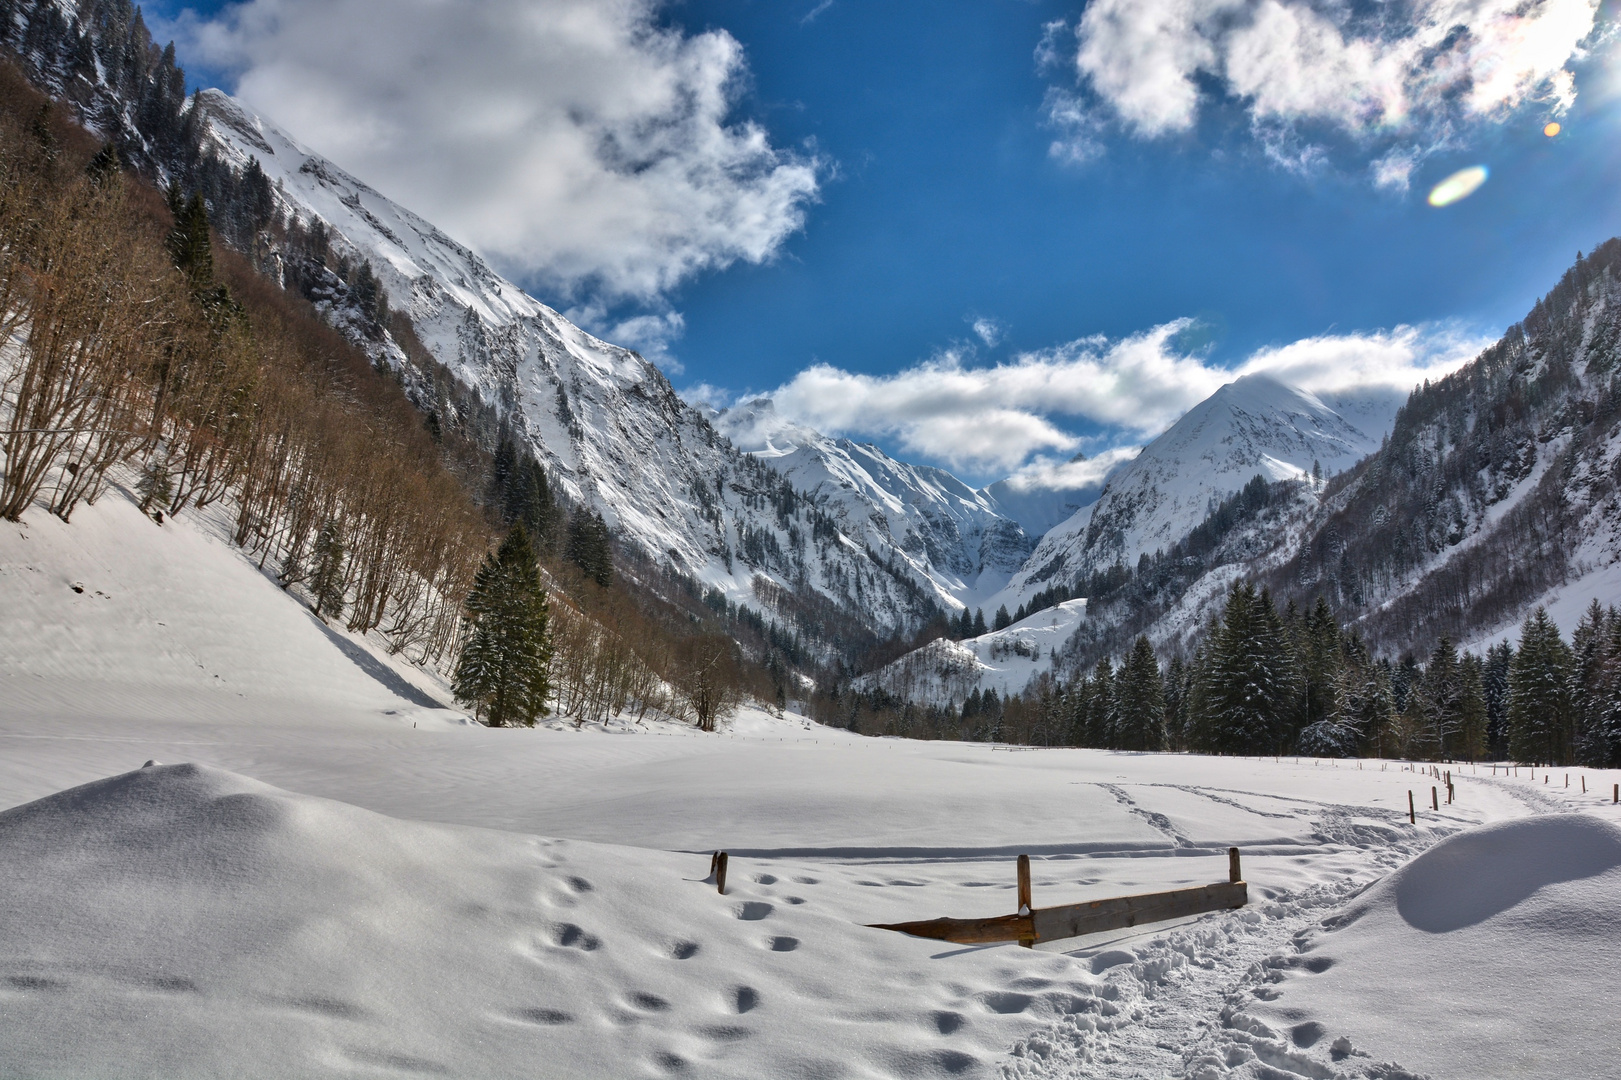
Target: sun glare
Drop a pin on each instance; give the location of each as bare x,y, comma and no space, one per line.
1460,185
1552,129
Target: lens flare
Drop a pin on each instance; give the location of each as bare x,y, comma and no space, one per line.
1460,185
1552,129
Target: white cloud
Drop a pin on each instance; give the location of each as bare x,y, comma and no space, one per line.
989,331
1407,71
580,144
1044,473
1006,416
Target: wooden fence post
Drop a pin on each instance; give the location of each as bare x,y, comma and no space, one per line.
1024,900
1435,799
720,873
1234,874
1615,796
1412,815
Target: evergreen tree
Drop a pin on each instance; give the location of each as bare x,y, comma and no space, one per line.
1539,726
1320,665
1248,683
1469,742
326,572
1100,709
1441,692
589,546
1499,660
1176,676
189,242
504,667
980,629
1589,644
1140,700
1003,619
528,502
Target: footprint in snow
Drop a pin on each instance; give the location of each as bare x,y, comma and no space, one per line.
547,1017
743,998
752,910
683,950
569,936
765,879
783,944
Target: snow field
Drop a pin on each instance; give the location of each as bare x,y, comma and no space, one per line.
418,908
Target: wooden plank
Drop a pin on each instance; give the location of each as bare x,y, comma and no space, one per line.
1074,920
967,931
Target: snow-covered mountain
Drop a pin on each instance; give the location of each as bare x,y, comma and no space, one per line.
1255,425
953,534
604,422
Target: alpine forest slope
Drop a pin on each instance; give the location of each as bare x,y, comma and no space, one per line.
1497,485
604,424
953,534
690,517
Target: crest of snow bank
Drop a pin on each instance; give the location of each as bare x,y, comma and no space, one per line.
1492,954
184,921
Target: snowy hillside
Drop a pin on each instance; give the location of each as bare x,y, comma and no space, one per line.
950,532
944,672
1255,425
604,422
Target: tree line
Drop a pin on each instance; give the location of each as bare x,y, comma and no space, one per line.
140,352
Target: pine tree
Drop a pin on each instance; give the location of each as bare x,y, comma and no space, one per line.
980,629
326,575
1441,693
1499,659
589,546
1539,727
1470,740
1100,709
1140,700
1320,663
1176,676
1249,689
1003,619
504,667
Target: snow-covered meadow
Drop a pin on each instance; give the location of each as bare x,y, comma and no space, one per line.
335,875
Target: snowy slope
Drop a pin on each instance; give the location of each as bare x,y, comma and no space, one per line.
1254,425
944,672
1476,947
186,921
953,534
604,422
129,618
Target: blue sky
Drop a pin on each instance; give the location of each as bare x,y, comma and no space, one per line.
917,176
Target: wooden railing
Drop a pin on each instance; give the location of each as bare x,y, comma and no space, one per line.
1030,925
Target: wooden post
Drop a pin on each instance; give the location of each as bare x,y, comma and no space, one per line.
1435,799
1615,796
1412,815
714,861
1024,900
1584,785
720,873
1234,874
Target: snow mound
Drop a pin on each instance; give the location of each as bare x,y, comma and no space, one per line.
1493,954
184,921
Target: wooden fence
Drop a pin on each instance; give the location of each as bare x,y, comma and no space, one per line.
1031,924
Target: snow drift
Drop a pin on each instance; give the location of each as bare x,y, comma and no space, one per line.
1493,954
184,921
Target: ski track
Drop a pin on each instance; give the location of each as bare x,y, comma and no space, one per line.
1171,1007
1158,821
